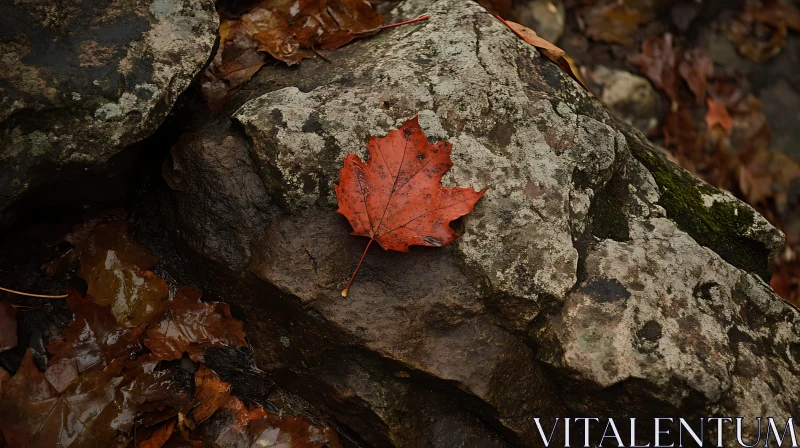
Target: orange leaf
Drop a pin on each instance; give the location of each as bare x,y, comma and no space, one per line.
210,392
552,52
159,437
191,326
718,115
255,427
396,198
528,35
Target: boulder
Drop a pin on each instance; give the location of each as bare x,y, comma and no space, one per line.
594,278
83,80
630,96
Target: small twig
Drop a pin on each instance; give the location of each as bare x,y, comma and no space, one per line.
418,19
43,296
25,307
319,54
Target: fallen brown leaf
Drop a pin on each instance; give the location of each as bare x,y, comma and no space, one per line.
528,35
210,392
552,52
718,115
695,68
159,436
116,268
659,62
191,326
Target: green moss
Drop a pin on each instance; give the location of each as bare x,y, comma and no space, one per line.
721,227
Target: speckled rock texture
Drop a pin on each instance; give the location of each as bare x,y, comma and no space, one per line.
82,80
594,278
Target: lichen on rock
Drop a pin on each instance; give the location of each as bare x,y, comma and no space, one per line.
81,81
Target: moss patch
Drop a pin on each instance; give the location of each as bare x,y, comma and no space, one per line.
720,227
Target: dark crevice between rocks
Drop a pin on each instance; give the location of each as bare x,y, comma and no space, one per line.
721,227
46,213
265,315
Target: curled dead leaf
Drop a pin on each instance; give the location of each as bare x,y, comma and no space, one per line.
552,52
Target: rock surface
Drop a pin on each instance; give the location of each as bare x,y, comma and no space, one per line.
594,277
80,81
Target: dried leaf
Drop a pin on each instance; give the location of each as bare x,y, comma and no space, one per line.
191,326
773,12
160,396
8,326
210,392
325,24
659,62
287,32
553,52
396,198
779,15
695,68
724,92
718,115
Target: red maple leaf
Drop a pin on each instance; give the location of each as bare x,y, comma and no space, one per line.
396,198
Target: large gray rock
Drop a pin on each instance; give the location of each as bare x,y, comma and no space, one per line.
594,278
80,81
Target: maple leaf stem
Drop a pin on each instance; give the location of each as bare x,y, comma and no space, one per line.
347,288
43,296
418,19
